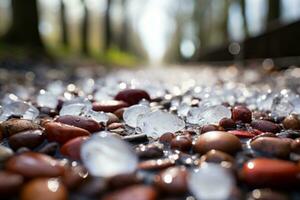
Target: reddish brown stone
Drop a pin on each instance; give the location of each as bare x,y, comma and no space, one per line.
166,137
291,122
156,164
13,126
80,122
62,133
109,105
132,96
181,143
31,164
265,126
29,139
10,183
241,113
216,156
71,148
227,123
242,134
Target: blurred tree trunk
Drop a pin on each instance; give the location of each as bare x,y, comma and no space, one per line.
273,11
63,23
224,22
123,43
24,29
85,29
107,24
245,21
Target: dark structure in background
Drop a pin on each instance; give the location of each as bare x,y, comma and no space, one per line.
63,24
24,12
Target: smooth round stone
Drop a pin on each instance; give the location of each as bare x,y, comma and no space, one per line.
227,123
71,148
172,181
29,139
216,156
242,133
109,105
5,153
74,175
272,146
44,188
181,143
13,126
50,148
266,194
270,172
119,113
81,122
150,150
105,155
31,164
241,113
132,113
265,126
10,183
209,127
295,146
62,133
218,140
137,192
123,180
132,96
166,138
112,118
291,122
156,164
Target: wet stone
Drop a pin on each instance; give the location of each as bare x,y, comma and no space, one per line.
132,96
44,188
109,105
210,127
12,126
227,123
216,156
29,139
49,148
291,122
295,146
270,173
71,149
112,118
181,143
150,151
62,133
74,175
156,164
123,180
166,138
217,140
5,153
272,146
241,113
172,181
10,183
242,133
139,192
80,122
32,164
265,126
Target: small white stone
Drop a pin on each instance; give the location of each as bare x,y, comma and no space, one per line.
77,109
211,181
105,156
20,108
132,113
156,123
47,99
100,117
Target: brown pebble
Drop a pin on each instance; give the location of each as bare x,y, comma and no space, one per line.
81,122
227,123
10,183
209,127
50,148
44,189
123,180
295,146
272,146
31,164
291,122
218,140
172,181
112,118
166,138
109,105
266,194
156,164
150,150
216,156
181,143
29,139
132,96
62,133
13,126
119,113
265,126
136,192
74,176
241,113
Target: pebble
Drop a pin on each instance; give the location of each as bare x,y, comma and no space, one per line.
218,140
119,113
272,146
112,118
136,192
270,172
166,138
241,113
132,96
172,181
266,194
29,139
227,123
156,164
123,180
291,122
150,151
242,133
109,105
62,133
265,126
216,156
10,183
50,148
209,127
81,122
181,143
44,188
295,146
5,153
31,164
74,175
12,126
71,149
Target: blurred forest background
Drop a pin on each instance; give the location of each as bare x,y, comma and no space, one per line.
130,32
